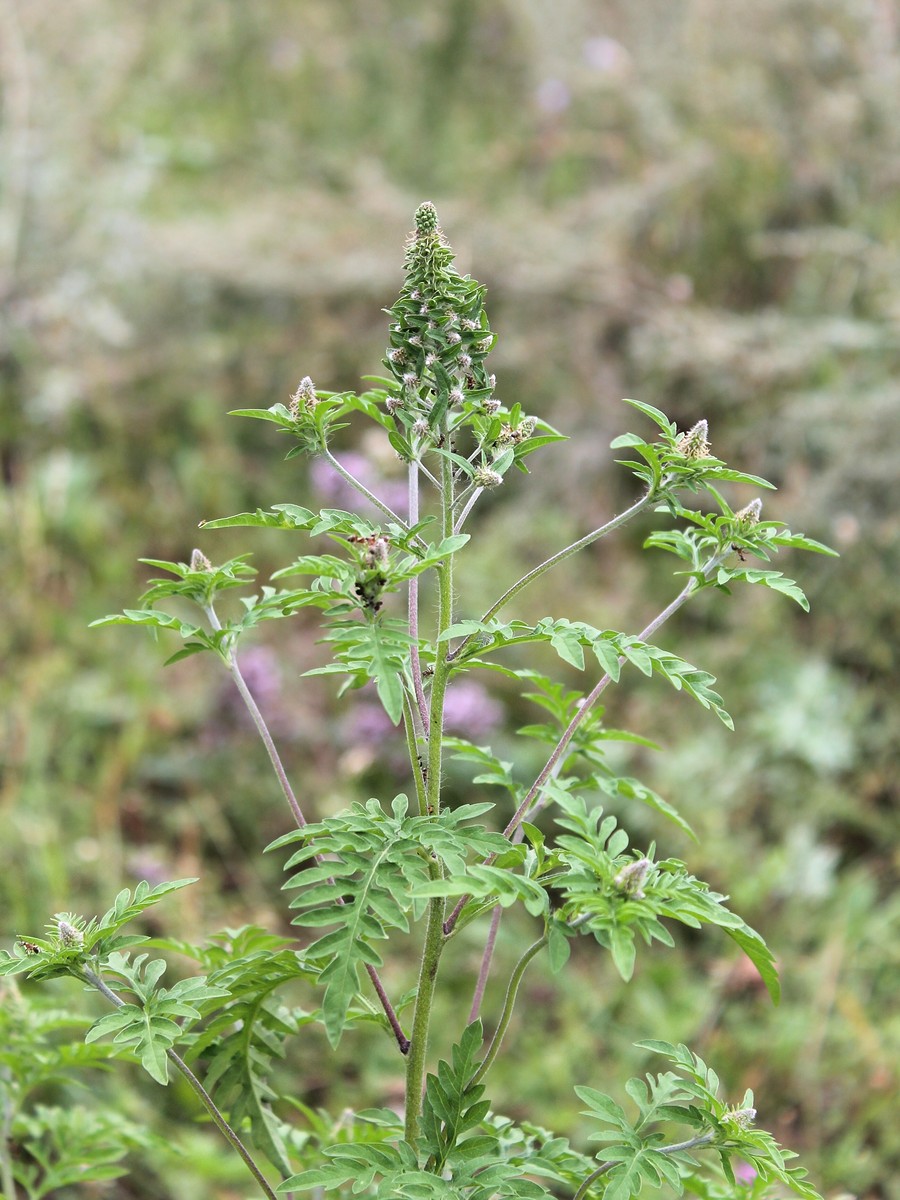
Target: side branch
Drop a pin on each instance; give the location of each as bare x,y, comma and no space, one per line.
281,774
673,1149
560,556
556,756
230,1135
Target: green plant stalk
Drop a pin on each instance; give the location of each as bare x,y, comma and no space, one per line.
94,980
418,1047
704,1140
413,606
536,572
409,727
434,931
442,650
508,1005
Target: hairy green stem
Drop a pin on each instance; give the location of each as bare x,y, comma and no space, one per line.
418,1047
209,1104
561,556
413,606
704,1140
508,1005
434,941
409,726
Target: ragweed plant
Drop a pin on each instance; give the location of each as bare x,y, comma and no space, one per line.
367,880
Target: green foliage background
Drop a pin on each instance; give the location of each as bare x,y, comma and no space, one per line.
690,203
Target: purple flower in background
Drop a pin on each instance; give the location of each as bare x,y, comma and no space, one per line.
606,56
333,488
553,96
469,710
367,723
744,1173
261,670
336,492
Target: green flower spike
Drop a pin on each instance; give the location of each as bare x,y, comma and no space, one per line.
440,334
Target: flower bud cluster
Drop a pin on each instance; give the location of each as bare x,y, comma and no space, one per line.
630,880
69,936
749,515
439,331
199,561
510,435
742,1117
304,399
485,477
694,443
371,579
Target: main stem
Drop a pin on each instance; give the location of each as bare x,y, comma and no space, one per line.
413,610
434,933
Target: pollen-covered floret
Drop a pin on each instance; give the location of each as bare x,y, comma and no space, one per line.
484,477
694,443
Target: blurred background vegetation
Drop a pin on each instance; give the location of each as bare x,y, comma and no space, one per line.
691,203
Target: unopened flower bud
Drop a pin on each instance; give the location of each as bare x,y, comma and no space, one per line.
694,443
630,879
426,218
71,938
484,477
304,398
199,561
377,552
527,427
749,515
742,1117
